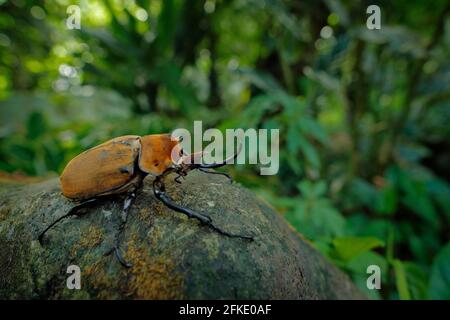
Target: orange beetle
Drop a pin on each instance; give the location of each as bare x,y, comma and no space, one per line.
120,165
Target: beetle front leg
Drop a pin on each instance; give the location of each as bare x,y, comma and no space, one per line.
160,193
180,174
177,178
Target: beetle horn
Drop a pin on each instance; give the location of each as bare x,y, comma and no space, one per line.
221,164
196,157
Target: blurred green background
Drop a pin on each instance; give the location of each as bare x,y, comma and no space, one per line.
363,114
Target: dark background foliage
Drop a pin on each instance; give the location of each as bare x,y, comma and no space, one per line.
363,114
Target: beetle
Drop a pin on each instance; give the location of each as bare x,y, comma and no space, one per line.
120,165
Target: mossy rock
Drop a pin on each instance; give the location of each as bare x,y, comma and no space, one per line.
173,257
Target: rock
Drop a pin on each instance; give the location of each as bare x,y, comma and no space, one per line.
174,257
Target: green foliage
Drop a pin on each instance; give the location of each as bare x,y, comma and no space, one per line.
363,114
313,214
440,275
401,280
348,248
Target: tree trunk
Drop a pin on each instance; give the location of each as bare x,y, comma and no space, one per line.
173,257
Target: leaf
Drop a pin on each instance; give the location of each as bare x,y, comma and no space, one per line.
412,152
317,219
364,192
312,190
36,125
169,74
111,42
306,188
294,164
323,78
358,270
310,126
256,109
328,220
261,80
417,280
440,192
143,3
387,202
401,280
360,263
320,188
166,25
350,247
293,107
439,287
418,199
309,151
120,31
399,40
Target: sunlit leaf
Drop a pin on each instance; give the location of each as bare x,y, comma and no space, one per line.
388,200
401,280
350,247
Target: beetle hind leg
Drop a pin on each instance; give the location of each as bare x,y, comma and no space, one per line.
72,212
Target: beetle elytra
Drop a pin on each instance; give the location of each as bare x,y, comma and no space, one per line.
120,166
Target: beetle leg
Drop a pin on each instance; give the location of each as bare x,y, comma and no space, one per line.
72,212
131,196
230,179
177,178
160,193
181,174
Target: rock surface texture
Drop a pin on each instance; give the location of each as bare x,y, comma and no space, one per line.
173,257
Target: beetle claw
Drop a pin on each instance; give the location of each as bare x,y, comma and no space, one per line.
119,257
180,176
